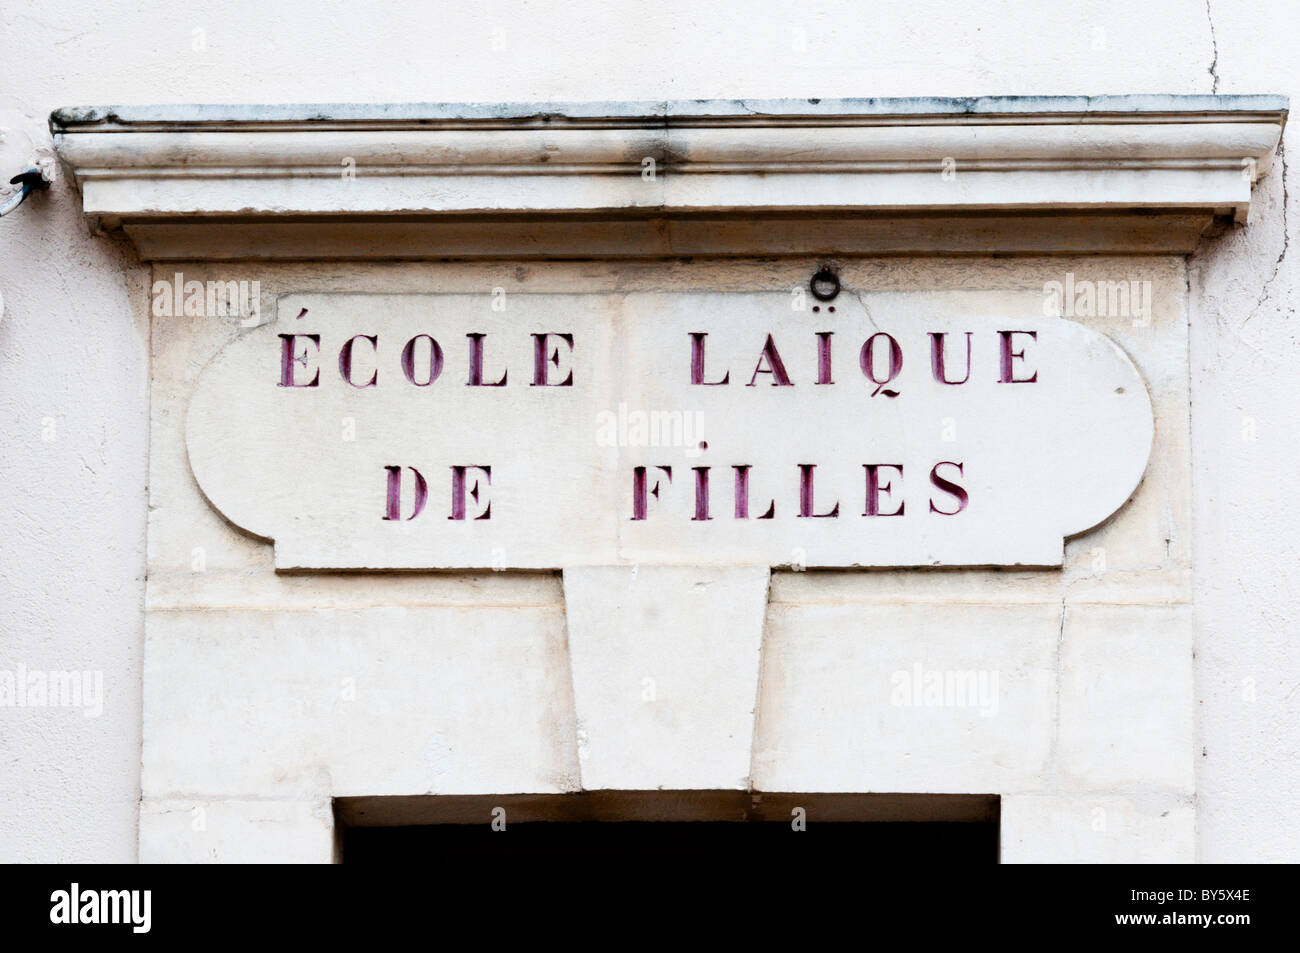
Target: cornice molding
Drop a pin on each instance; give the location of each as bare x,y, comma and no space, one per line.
1012,174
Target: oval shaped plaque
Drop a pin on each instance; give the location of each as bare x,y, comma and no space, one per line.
553,430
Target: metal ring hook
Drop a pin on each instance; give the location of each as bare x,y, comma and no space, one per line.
825,285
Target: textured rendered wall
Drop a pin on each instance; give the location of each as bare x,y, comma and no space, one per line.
74,344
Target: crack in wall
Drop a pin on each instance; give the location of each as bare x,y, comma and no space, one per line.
1214,51
1267,287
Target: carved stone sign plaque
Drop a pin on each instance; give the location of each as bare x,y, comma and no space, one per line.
553,430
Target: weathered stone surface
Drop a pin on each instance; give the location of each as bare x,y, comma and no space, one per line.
1097,829
665,673
222,831
174,177
956,697
835,638
1127,697
298,700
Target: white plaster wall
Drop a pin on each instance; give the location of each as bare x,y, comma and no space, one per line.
74,347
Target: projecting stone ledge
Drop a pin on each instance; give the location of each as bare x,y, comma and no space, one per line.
790,177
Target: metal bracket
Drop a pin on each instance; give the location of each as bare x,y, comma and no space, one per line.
33,180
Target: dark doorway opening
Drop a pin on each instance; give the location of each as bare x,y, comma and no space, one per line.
898,829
